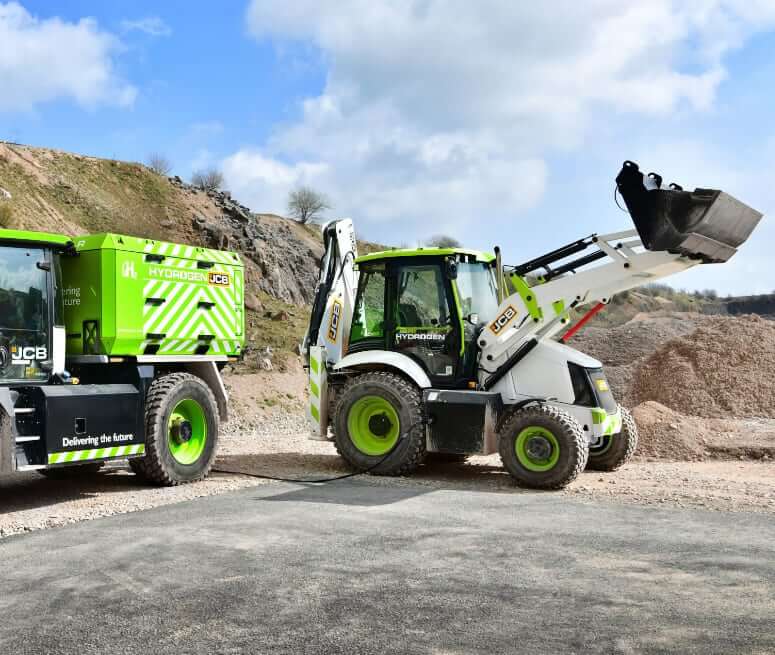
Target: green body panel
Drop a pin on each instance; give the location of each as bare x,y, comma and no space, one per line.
528,297
184,300
42,238
425,252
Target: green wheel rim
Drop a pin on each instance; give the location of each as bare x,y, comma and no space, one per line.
187,415
365,415
525,447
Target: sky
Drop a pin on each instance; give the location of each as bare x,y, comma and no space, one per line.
494,122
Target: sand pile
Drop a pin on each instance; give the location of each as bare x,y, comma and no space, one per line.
665,434
725,368
623,348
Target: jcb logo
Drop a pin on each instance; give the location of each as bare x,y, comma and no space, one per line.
219,279
506,317
20,354
333,326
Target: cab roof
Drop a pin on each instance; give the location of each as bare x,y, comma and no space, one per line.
484,257
34,238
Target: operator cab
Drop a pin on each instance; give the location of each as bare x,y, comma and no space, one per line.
429,304
31,310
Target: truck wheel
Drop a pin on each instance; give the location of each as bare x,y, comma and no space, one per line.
378,424
181,431
542,447
617,449
72,471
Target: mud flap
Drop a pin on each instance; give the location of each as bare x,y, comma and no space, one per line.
704,223
317,412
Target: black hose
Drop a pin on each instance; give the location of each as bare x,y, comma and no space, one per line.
323,480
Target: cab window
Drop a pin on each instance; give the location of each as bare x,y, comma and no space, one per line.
369,315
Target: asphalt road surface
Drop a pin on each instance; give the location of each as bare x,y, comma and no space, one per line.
358,567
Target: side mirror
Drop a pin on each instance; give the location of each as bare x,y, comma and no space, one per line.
451,268
44,266
473,319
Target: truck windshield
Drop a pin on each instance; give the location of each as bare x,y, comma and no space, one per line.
23,313
477,290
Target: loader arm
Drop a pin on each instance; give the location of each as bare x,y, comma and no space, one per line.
675,230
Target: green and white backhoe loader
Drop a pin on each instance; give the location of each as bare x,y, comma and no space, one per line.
444,350
111,347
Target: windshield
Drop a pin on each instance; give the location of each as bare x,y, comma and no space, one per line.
477,290
23,313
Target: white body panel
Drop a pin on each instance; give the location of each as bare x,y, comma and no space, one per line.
389,359
58,355
543,373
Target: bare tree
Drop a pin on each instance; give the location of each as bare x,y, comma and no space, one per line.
209,180
159,164
306,204
443,241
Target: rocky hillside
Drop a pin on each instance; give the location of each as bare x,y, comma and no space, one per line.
74,194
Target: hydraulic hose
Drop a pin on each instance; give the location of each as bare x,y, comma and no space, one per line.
325,480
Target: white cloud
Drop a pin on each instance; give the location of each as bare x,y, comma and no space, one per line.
437,115
265,182
46,59
151,25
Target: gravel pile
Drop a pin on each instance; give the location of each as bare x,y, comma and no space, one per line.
725,368
624,348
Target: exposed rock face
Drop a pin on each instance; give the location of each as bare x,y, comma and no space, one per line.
281,257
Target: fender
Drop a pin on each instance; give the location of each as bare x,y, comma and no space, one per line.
401,363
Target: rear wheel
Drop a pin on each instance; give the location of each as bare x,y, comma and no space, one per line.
542,447
378,424
617,449
181,426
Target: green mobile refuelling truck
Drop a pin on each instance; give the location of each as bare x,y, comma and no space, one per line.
112,347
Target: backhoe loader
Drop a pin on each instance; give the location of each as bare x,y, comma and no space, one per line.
426,351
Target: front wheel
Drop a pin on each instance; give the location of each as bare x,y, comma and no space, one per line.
543,447
181,430
615,450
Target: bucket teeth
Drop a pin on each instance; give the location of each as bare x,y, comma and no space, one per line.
704,223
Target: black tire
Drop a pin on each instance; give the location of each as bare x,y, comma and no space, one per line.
566,457
616,450
405,399
71,471
159,465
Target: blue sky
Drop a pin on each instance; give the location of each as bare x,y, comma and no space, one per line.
495,122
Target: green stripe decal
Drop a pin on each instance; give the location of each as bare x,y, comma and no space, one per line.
95,453
313,364
314,411
314,389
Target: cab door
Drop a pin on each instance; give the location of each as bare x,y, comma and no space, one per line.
424,324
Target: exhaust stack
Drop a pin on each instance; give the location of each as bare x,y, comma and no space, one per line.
705,223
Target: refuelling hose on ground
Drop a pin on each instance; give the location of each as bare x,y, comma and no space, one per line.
324,480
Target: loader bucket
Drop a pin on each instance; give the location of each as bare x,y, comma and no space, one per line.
704,223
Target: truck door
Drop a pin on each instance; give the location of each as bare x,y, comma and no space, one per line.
425,322
25,338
